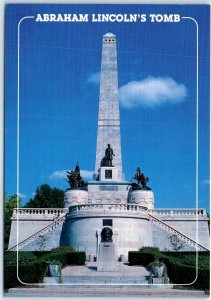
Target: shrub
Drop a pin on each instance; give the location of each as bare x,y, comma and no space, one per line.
181,273
65,257
10,277
63,249
189,258
144,256
203,279
30,273
24,257
152,250
39,254
181,266
58,256
32,266
76,258
138,258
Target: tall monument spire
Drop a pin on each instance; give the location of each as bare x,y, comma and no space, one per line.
108,117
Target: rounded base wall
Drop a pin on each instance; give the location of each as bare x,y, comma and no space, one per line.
129,234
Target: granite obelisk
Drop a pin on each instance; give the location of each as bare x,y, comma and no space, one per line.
108,116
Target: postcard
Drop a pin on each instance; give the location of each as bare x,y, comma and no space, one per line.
106,149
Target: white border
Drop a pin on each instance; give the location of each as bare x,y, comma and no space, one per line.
18,131
197,134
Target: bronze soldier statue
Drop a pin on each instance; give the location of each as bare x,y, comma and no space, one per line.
142,180
75,180
138,174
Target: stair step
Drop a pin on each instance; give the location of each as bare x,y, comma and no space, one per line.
105,279
96,291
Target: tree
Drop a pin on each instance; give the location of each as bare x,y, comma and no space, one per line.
47,197
9,203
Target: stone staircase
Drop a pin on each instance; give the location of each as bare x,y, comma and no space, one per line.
88,274
101,280
51,227
163,225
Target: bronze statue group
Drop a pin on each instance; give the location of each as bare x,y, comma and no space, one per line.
77,182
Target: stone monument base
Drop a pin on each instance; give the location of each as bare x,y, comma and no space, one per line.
107,260
161,283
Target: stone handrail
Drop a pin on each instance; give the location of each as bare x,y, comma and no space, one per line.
180,235
34,236
105,208
178,211
62,211
39,211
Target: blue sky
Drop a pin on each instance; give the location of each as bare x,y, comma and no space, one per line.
59,94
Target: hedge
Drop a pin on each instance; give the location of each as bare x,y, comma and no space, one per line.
152,250
189,258
181,254
56,256
31,269
182,274
76,258
181,266
63,248
31,273
137,258
39,254
24,257
66,258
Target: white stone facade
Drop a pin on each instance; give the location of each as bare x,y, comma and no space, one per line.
129,223
133,226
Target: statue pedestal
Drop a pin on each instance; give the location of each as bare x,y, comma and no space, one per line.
142,197
75,197
107,261
108,174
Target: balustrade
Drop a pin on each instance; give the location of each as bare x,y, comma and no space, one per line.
39,212
178,212
113,208
107,207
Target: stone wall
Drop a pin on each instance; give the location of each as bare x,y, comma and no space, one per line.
108,193
129,233
80,226
191,222
27,222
